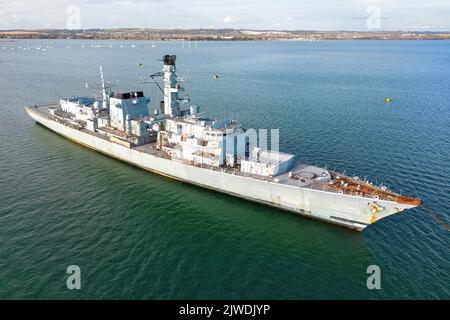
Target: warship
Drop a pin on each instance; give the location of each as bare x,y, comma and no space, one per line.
176,141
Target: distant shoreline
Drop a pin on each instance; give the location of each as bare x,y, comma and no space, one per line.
218,35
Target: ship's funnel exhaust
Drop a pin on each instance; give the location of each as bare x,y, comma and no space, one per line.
169,60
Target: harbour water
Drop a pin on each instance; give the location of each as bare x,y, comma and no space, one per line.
136,235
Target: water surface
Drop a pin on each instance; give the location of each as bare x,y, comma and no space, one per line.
136,235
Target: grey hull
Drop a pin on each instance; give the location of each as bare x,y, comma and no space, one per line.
345,210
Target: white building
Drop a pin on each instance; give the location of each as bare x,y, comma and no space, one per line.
267,163
203,141
125,107
82,108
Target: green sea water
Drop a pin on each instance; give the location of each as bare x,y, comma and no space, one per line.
136,235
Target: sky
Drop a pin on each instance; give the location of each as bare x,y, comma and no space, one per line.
359,15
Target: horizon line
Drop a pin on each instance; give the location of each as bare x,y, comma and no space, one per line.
217,29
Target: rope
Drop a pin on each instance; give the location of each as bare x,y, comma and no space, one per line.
436,217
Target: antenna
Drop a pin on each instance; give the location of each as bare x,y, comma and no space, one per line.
105,89
153,76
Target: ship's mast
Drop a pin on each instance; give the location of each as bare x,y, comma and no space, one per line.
171,87
104,93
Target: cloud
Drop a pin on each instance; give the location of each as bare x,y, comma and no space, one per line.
227,19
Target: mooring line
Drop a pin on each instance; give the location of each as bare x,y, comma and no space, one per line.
435,217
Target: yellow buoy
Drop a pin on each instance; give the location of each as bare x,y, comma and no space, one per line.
387,99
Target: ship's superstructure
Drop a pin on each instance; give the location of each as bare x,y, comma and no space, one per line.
216,154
